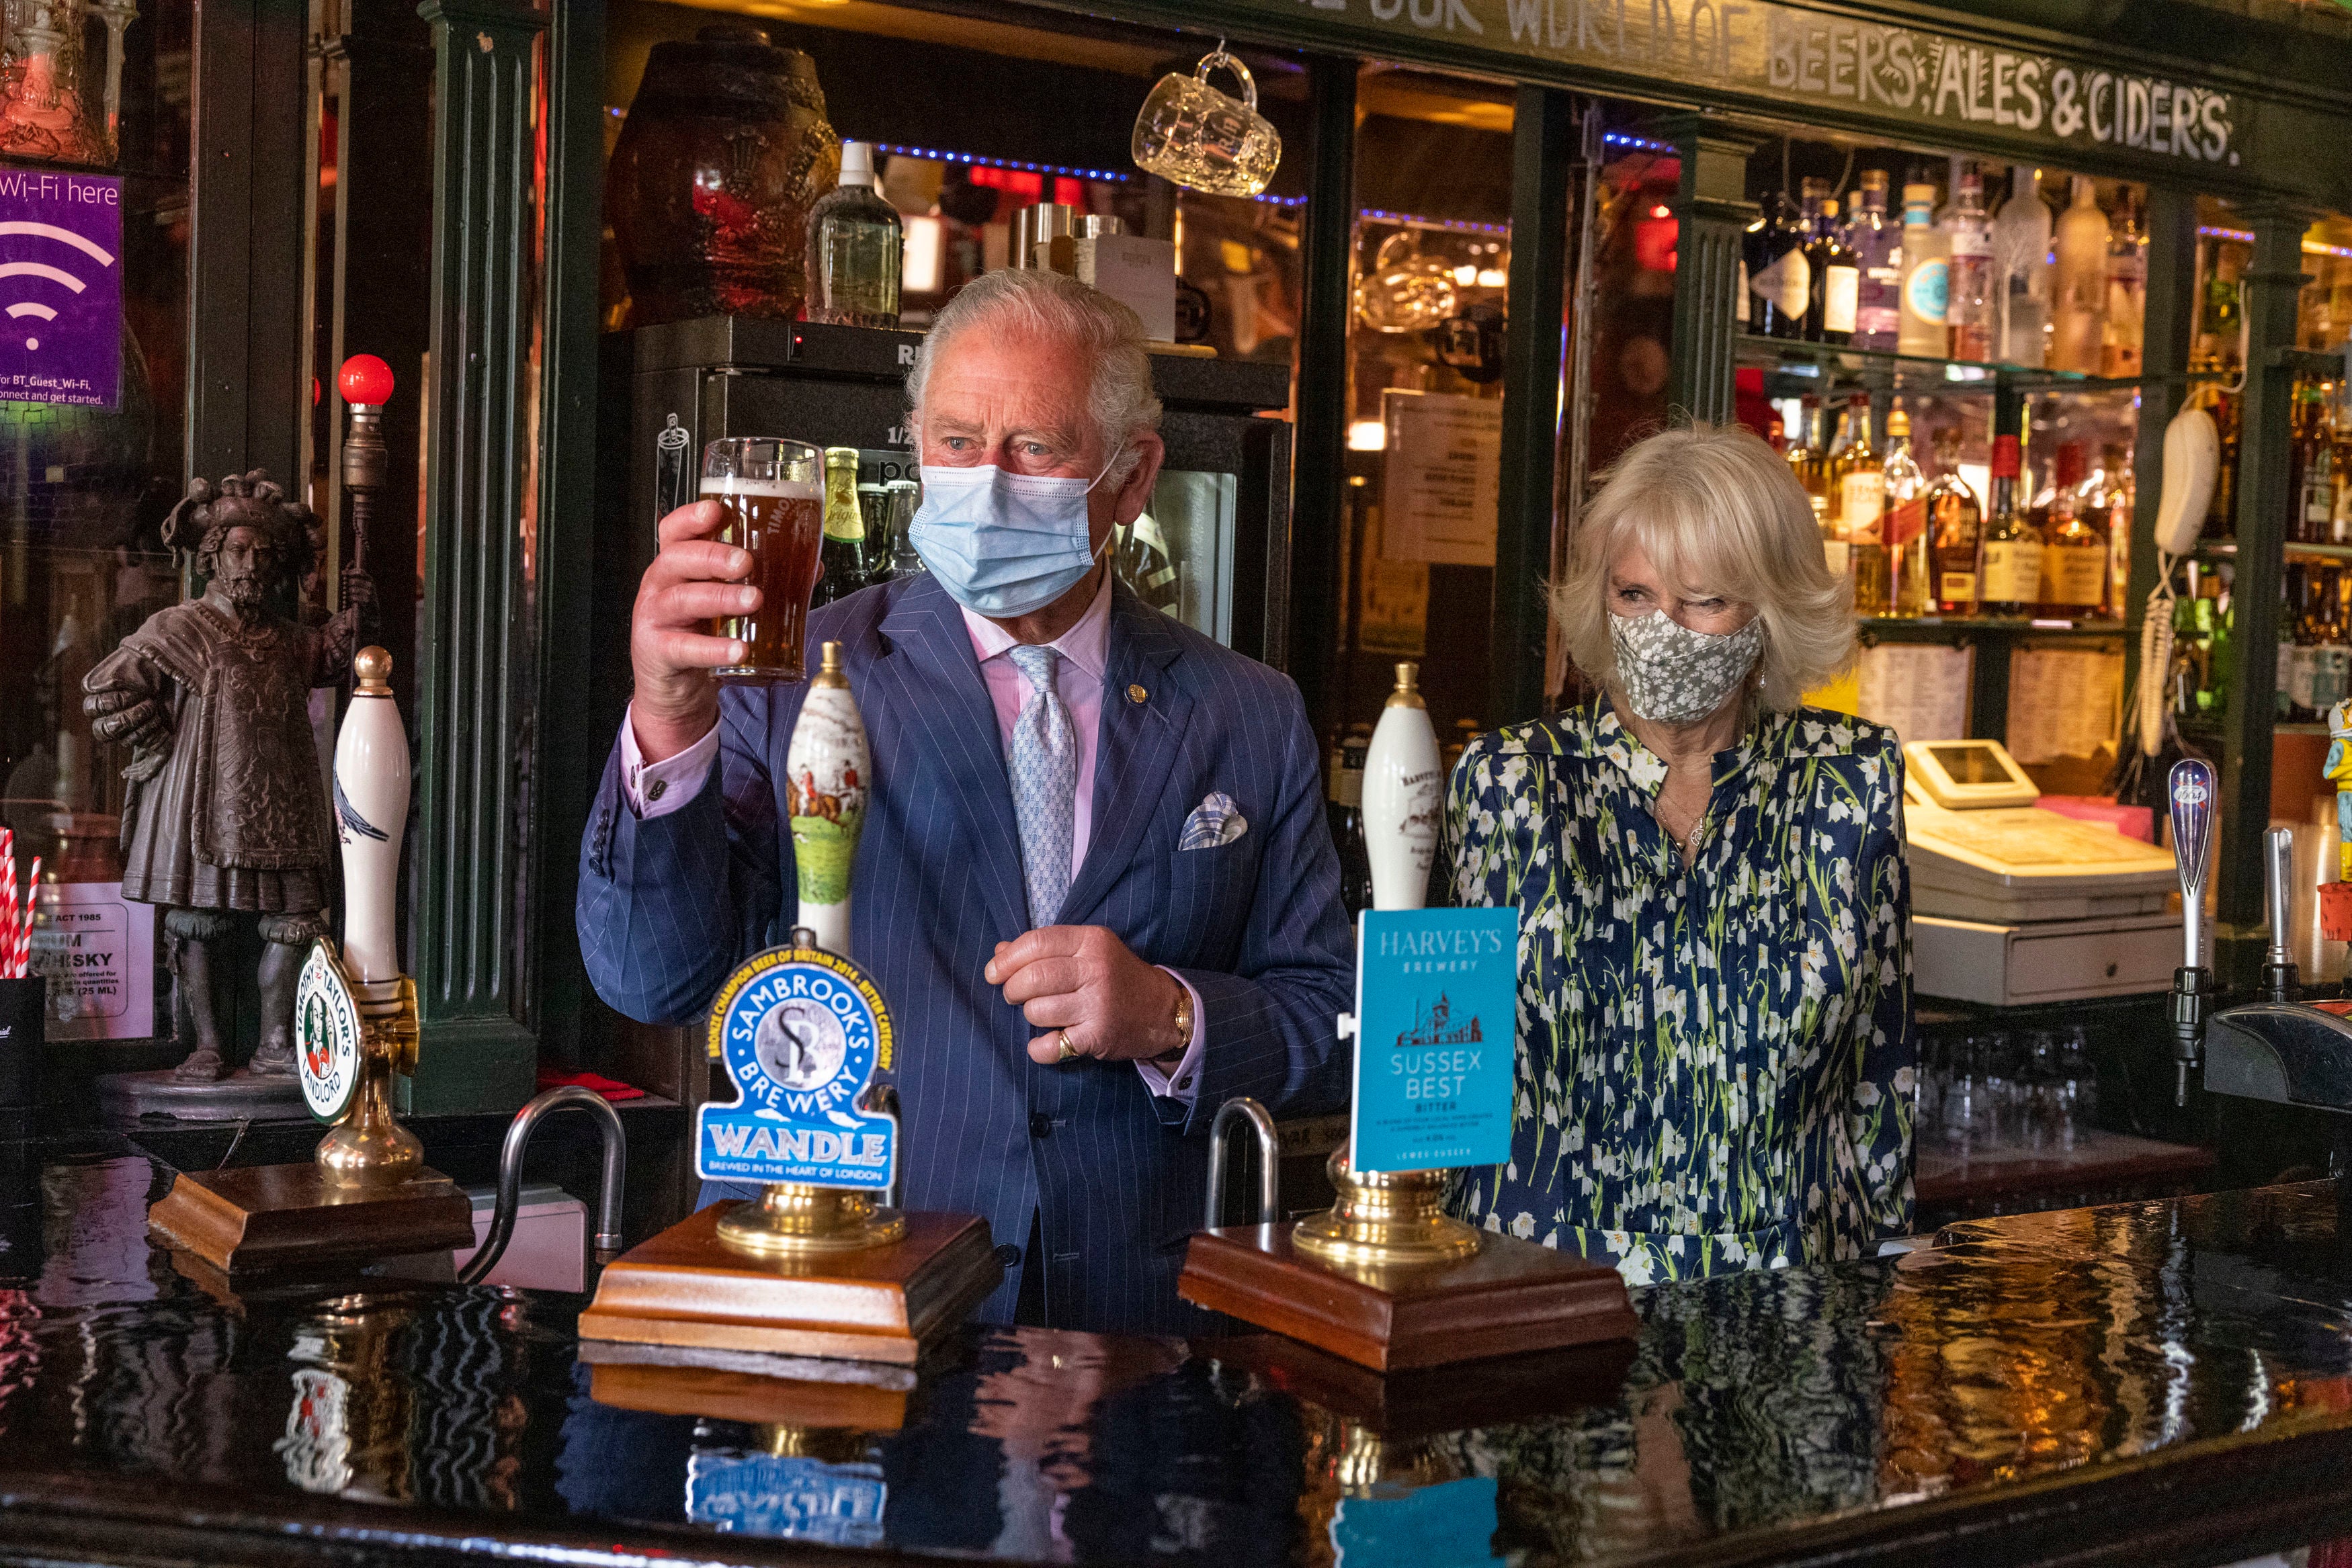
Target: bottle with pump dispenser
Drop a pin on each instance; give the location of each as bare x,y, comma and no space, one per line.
855,248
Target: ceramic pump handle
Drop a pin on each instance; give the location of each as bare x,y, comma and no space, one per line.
371,813
830,771
1403,785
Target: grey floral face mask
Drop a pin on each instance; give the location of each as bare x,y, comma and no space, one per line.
1672,675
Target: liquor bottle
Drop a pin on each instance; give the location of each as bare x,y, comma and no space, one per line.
2127,316
2222,310
2079,306
1926,260
1861,508
2331,660
1969,302
845,567
2020,254
2339,520
2074,553
1809,223
1956,523
2293,679
1835,460
855,248
2222,511
1876,241
1820,477
2191,652
1837,281
2012,576
1908,542
1779,278
2311,467
1345,811
2107,507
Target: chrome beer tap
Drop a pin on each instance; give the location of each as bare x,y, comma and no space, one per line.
2191,791
2279,980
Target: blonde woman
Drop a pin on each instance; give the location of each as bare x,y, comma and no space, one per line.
1716,1038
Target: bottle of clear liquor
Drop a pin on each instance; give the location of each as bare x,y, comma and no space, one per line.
1876,240
1909,542
1862,510
2121,333
855,248
2078,309
1970,311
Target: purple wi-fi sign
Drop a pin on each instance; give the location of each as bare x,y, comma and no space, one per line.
60,287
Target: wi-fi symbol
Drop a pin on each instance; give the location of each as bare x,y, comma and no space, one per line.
23,308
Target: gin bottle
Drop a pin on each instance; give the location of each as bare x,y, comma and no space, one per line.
855,249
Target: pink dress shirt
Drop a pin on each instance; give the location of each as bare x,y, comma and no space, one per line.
657,788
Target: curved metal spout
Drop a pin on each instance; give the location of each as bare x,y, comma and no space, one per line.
1242,1108
519,1132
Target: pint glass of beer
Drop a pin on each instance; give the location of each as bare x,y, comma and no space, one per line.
773,493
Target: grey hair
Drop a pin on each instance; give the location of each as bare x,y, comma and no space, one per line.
1121,401
1716,508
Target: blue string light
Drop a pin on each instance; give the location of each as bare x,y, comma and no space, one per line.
1450,225
946,157
1643,143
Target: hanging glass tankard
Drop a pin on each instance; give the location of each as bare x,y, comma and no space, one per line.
1191,134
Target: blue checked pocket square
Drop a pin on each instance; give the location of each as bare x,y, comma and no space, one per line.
1215,821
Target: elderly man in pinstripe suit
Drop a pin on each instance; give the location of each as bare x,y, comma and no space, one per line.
1095,884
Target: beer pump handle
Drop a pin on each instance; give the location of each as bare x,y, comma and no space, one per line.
365,383
2190,790
372,767
2280,982
830,770
1401,788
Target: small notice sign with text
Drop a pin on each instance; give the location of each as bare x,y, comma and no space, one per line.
60,287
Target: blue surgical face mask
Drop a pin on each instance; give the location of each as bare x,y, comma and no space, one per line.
1004,544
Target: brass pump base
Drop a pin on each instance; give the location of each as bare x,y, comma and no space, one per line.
1386,1219
792,1217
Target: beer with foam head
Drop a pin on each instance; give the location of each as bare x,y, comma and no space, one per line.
773,494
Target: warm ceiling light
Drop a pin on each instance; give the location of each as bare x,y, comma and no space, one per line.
1367,435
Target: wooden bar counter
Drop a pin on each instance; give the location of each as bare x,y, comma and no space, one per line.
2156,1383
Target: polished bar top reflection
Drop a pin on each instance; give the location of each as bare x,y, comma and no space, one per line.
2163,1381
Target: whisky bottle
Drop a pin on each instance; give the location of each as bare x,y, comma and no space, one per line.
1955,523
1862,511
1780,278
2074,553
2011,575
1837,281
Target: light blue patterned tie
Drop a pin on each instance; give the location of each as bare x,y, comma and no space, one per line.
1045,783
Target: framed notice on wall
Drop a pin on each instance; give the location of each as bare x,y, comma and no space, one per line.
1443,478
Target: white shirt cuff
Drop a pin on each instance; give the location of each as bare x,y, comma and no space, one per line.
657,789
1181,1082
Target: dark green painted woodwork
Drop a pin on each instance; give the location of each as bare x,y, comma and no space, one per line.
1546,152
571,749
1712,212
479,632
1319,486
246,397
2272,284
2169,331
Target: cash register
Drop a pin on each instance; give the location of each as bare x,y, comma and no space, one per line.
2012,904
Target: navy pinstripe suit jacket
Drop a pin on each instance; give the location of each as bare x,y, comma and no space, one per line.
1116,1176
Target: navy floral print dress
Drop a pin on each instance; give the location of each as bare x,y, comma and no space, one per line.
1716,1063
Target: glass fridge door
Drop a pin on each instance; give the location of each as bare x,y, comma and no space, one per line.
1177,557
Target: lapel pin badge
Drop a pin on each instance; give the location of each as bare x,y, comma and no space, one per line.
1136,694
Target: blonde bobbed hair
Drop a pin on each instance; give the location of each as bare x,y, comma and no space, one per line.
1717,510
